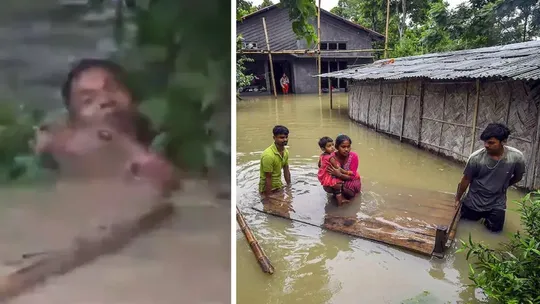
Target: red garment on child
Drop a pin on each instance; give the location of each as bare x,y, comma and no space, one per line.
326,179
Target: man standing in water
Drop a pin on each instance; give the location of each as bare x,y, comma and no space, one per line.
273,160
488,174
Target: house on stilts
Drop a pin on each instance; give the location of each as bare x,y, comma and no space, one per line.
443,101
343,44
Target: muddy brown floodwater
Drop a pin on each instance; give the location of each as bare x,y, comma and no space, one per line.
185,260
317,266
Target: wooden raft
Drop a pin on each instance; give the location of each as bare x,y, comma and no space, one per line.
412,219
46,233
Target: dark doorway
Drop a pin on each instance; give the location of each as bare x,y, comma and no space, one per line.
281,67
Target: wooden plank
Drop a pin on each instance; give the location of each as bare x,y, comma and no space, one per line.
407,219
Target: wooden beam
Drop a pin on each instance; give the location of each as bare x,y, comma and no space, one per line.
403,111
319,45
535,156
380,106
308,52
330,86
475,116
440,241
270,58
443,116
421,112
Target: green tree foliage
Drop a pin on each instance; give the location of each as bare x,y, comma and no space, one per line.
511,273
178,59
426,26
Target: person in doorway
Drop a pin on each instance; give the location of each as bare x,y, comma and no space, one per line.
348,160
284,81
488,174
273,160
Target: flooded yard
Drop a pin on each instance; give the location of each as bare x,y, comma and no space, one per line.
317,266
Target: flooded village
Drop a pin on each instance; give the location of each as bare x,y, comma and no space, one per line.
413,121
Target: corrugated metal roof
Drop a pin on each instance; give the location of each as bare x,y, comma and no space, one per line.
516,61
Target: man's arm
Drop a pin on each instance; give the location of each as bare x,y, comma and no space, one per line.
267,166
287,174
462,187
267,183
469,173
519,171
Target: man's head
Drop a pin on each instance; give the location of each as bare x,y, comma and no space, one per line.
95,88
494,136
281,135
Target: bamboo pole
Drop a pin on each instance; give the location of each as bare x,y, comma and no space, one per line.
535,156
263,260
443,116
270,58
330,87
421,113
386,34
319,45
475,116
403,111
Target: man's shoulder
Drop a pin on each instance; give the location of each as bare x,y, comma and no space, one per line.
477,155
268,152
514,154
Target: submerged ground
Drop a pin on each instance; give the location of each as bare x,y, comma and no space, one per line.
316,266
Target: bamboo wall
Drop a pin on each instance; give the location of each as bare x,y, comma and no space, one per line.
439,116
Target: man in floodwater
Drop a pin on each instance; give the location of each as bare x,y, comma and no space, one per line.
488,174
274,159
95,90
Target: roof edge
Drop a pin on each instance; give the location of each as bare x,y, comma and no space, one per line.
377,35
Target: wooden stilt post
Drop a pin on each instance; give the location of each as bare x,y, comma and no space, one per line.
319,44
440,241
273,80
403,112
386,34
475,116
330,88
421,113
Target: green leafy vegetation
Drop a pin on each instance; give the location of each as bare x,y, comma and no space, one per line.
511,273
178,59
427,26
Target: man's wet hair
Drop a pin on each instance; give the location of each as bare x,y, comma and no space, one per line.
280,130
496,130
90,63
324,140
341,138
145,131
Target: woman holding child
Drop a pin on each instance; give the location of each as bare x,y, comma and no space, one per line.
338,168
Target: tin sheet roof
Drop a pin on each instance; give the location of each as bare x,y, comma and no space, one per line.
516,61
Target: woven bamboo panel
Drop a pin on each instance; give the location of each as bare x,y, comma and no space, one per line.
384,119
455,111
396,107
467,142
433,108
355,92
492,107
449,110
522,119
374,105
